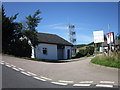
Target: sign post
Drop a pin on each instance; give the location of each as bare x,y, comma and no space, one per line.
98,37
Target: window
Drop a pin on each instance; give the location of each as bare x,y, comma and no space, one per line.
45,51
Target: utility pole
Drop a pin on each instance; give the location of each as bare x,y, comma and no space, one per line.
109,51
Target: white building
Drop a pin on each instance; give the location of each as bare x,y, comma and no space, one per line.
52,47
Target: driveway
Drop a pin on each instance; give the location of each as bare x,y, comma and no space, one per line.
81,70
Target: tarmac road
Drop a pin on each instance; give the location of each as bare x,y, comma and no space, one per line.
73,73
15,79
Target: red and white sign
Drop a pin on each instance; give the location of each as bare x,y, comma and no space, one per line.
110,37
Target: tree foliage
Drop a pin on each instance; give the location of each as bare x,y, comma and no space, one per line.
105,38
11,34
84,52
32,36
30,32
33,20
8,31
117,37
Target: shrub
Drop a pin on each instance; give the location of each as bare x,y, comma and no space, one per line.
90,50
81,53
85,52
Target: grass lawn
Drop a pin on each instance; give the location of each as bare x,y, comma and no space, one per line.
110,61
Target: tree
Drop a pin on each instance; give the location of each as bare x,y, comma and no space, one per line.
117,37
11,34
31,32
105,38
8,31
90,50
33,20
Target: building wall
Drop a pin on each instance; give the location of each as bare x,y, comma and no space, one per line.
65,52
51,51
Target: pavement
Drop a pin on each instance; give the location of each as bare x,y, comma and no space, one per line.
79,73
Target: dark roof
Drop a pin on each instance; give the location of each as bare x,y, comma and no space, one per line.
52,39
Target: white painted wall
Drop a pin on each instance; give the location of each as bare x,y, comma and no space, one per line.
33,52
51,51
65,51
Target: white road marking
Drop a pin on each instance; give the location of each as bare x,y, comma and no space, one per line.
45,78
108,82
13,65
59,83
81,84
15,69
25,73
86,82
8,65
65,81
21,69
31,73
2,63
39,78
102,85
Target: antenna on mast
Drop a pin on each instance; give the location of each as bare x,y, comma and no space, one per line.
71,34
72,37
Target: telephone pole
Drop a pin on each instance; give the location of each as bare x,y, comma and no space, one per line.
110,38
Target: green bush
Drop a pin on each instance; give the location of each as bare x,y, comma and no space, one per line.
90,50
81,53
85,52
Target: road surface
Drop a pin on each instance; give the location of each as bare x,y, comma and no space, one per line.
71,74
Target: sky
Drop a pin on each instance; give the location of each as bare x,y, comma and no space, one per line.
86,16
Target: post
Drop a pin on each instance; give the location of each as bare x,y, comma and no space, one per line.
95,48
102,48
109,51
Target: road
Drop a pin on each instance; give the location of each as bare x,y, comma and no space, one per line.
15,79
72,74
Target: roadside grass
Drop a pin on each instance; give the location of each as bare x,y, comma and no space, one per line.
42,60
111,61
46,60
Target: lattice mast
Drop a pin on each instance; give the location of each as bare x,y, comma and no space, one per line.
72,34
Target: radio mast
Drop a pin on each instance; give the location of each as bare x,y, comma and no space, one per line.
72,34
72,37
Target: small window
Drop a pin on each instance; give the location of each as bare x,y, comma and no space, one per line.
45,51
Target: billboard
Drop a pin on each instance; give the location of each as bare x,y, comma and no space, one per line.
110,37
98,36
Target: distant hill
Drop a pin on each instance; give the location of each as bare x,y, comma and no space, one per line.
92,43
80,45
83,46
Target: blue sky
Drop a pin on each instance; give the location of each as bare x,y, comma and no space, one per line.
86,16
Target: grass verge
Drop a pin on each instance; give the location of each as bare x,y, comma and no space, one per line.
37,59
110,61
43,60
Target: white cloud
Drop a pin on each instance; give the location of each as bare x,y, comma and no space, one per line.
58,26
